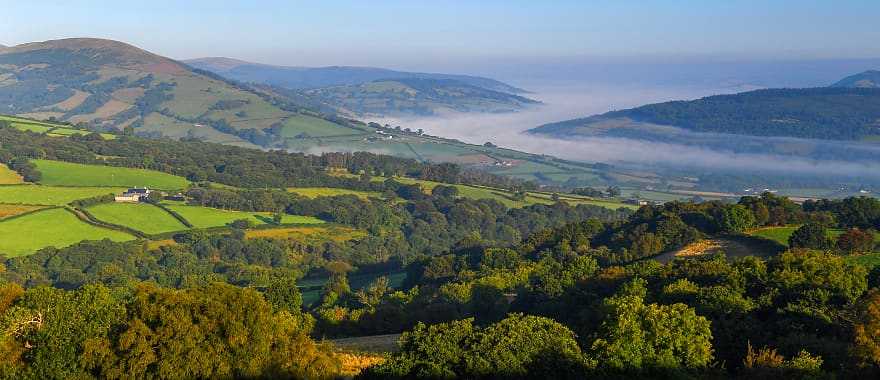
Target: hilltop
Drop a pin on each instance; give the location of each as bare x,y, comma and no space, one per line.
374,91
867,79
113,85
834,113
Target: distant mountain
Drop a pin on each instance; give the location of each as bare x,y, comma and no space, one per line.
111,84
374,91
834,113
867,79
416,96
299,78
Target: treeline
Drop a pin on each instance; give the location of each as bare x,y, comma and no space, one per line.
146,331
819,113
234,166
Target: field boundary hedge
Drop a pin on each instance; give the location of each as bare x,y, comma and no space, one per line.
87,217
174,214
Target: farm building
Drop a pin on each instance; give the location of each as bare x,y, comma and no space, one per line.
133,195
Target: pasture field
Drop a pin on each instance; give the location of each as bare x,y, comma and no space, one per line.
56,227
9,176
7,211
58,173
781,234
49,195
205,217
310,234
314,192
143,217
57,130
313,126
869,261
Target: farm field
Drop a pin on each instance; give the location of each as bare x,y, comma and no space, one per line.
143,217
56,227
7,211
9,176
309,234
204,217
59,173
50,129
314,192
49,195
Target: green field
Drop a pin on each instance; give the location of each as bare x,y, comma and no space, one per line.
313,126
58,130
314,192
204,217
59,173
143,217
56,227
51,196
781,234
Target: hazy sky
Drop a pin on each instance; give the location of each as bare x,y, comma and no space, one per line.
414,33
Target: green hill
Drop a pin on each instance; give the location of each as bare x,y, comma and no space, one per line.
374,91
819,113
417,97
110,84
867,79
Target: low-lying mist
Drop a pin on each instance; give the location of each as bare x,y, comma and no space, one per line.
575,101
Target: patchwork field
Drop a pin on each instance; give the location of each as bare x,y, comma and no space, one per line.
314,192
204,217
9,176
56,227
59,173
143,217
7,211
49,195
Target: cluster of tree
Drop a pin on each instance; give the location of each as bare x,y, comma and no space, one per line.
26,169
248,168
145,331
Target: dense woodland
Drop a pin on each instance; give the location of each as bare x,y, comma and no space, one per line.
490,292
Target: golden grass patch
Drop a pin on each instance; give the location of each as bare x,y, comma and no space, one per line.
336,234
353,364
7,211
9,176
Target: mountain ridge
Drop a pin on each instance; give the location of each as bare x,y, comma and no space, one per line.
865,79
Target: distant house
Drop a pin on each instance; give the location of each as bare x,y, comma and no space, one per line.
176,197
636,202
133,195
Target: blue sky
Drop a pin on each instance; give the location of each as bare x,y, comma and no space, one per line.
416,33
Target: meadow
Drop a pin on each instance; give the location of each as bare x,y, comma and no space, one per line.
9,176
55,227
57,173
8,211
781,234
314,192
142,217
308,234
204,217
49,195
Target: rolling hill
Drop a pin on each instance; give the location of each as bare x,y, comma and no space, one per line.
833,113
867,79
375,91
110,84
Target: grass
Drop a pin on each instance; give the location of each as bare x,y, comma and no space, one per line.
56,227
314,192
59,173
204,217
50,196
312,126
9,176
869,261
781,234
143,217
7,211
309,234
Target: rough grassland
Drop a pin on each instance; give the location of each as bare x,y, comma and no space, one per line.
314,192
9,176
781,234
204,217
311,234
143,217
55,227
7,211
59,173
51,196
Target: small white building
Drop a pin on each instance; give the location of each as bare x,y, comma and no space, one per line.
133,195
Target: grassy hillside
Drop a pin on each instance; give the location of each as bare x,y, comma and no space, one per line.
51,196
110,84
203,217
55,227
57,173
423,97
819,113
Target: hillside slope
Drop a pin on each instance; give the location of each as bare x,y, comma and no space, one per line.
818,113
867,79
415,96
374,91
110,84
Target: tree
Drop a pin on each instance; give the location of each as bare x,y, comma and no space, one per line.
613,191
856,241
867,330
737,218
810,236
636,336
241,224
